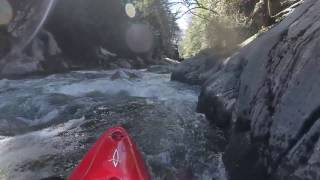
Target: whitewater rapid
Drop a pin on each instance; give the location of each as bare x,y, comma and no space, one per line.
48,123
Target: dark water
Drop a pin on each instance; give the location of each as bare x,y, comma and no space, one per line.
48,123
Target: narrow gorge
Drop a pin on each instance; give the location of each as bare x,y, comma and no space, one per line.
247,108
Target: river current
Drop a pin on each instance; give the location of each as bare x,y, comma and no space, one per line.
48,123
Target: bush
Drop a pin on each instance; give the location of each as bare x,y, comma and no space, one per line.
222,31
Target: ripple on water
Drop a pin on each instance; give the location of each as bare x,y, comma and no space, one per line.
159,115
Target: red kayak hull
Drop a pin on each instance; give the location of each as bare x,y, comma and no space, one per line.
113,157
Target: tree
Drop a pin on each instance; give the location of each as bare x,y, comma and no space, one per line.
158,14
215,26
222,24
193,7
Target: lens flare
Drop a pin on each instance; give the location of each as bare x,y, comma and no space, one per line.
139,38
130,10
6,12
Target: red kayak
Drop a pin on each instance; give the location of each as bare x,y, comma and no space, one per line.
113,157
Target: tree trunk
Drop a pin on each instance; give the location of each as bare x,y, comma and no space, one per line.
274,7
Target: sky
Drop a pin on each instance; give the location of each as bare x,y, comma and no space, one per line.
184,20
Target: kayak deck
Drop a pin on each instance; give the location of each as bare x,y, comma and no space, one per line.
113,157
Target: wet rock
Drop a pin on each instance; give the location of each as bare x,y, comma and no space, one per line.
161,69
214,109
123,74
56,64
18,65
169,61
5,44
123,63
119,75
140,63
220,84
134,74
32,50
220,91
43,55
80,26
113,66
268,92
194,70
276,98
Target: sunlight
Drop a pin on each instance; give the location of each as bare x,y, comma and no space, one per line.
130,10
139,38
183,21
6,12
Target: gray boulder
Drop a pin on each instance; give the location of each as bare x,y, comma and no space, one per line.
125,75
161,69
42,55
123,63
195,70
277,97
80,26
20,65
266,94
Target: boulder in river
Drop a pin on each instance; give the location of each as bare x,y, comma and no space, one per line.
43,55
194,70
123,74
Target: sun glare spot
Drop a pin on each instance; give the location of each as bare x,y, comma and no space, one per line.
130,10
6,12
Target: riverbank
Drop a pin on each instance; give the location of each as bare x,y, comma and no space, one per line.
265,97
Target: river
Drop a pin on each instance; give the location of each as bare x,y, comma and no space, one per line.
48,123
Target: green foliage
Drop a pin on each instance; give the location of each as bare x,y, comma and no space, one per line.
194,39
220,31
2,174
158,14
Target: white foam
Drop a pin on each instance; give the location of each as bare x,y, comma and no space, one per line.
151,85
14,150
31,96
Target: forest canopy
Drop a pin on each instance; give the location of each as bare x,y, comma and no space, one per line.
223,24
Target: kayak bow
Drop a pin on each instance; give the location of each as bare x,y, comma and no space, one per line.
113,157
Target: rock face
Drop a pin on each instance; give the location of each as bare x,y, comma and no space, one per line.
82,27
196,69
26,48
78,34
86,30
41,55
266,94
